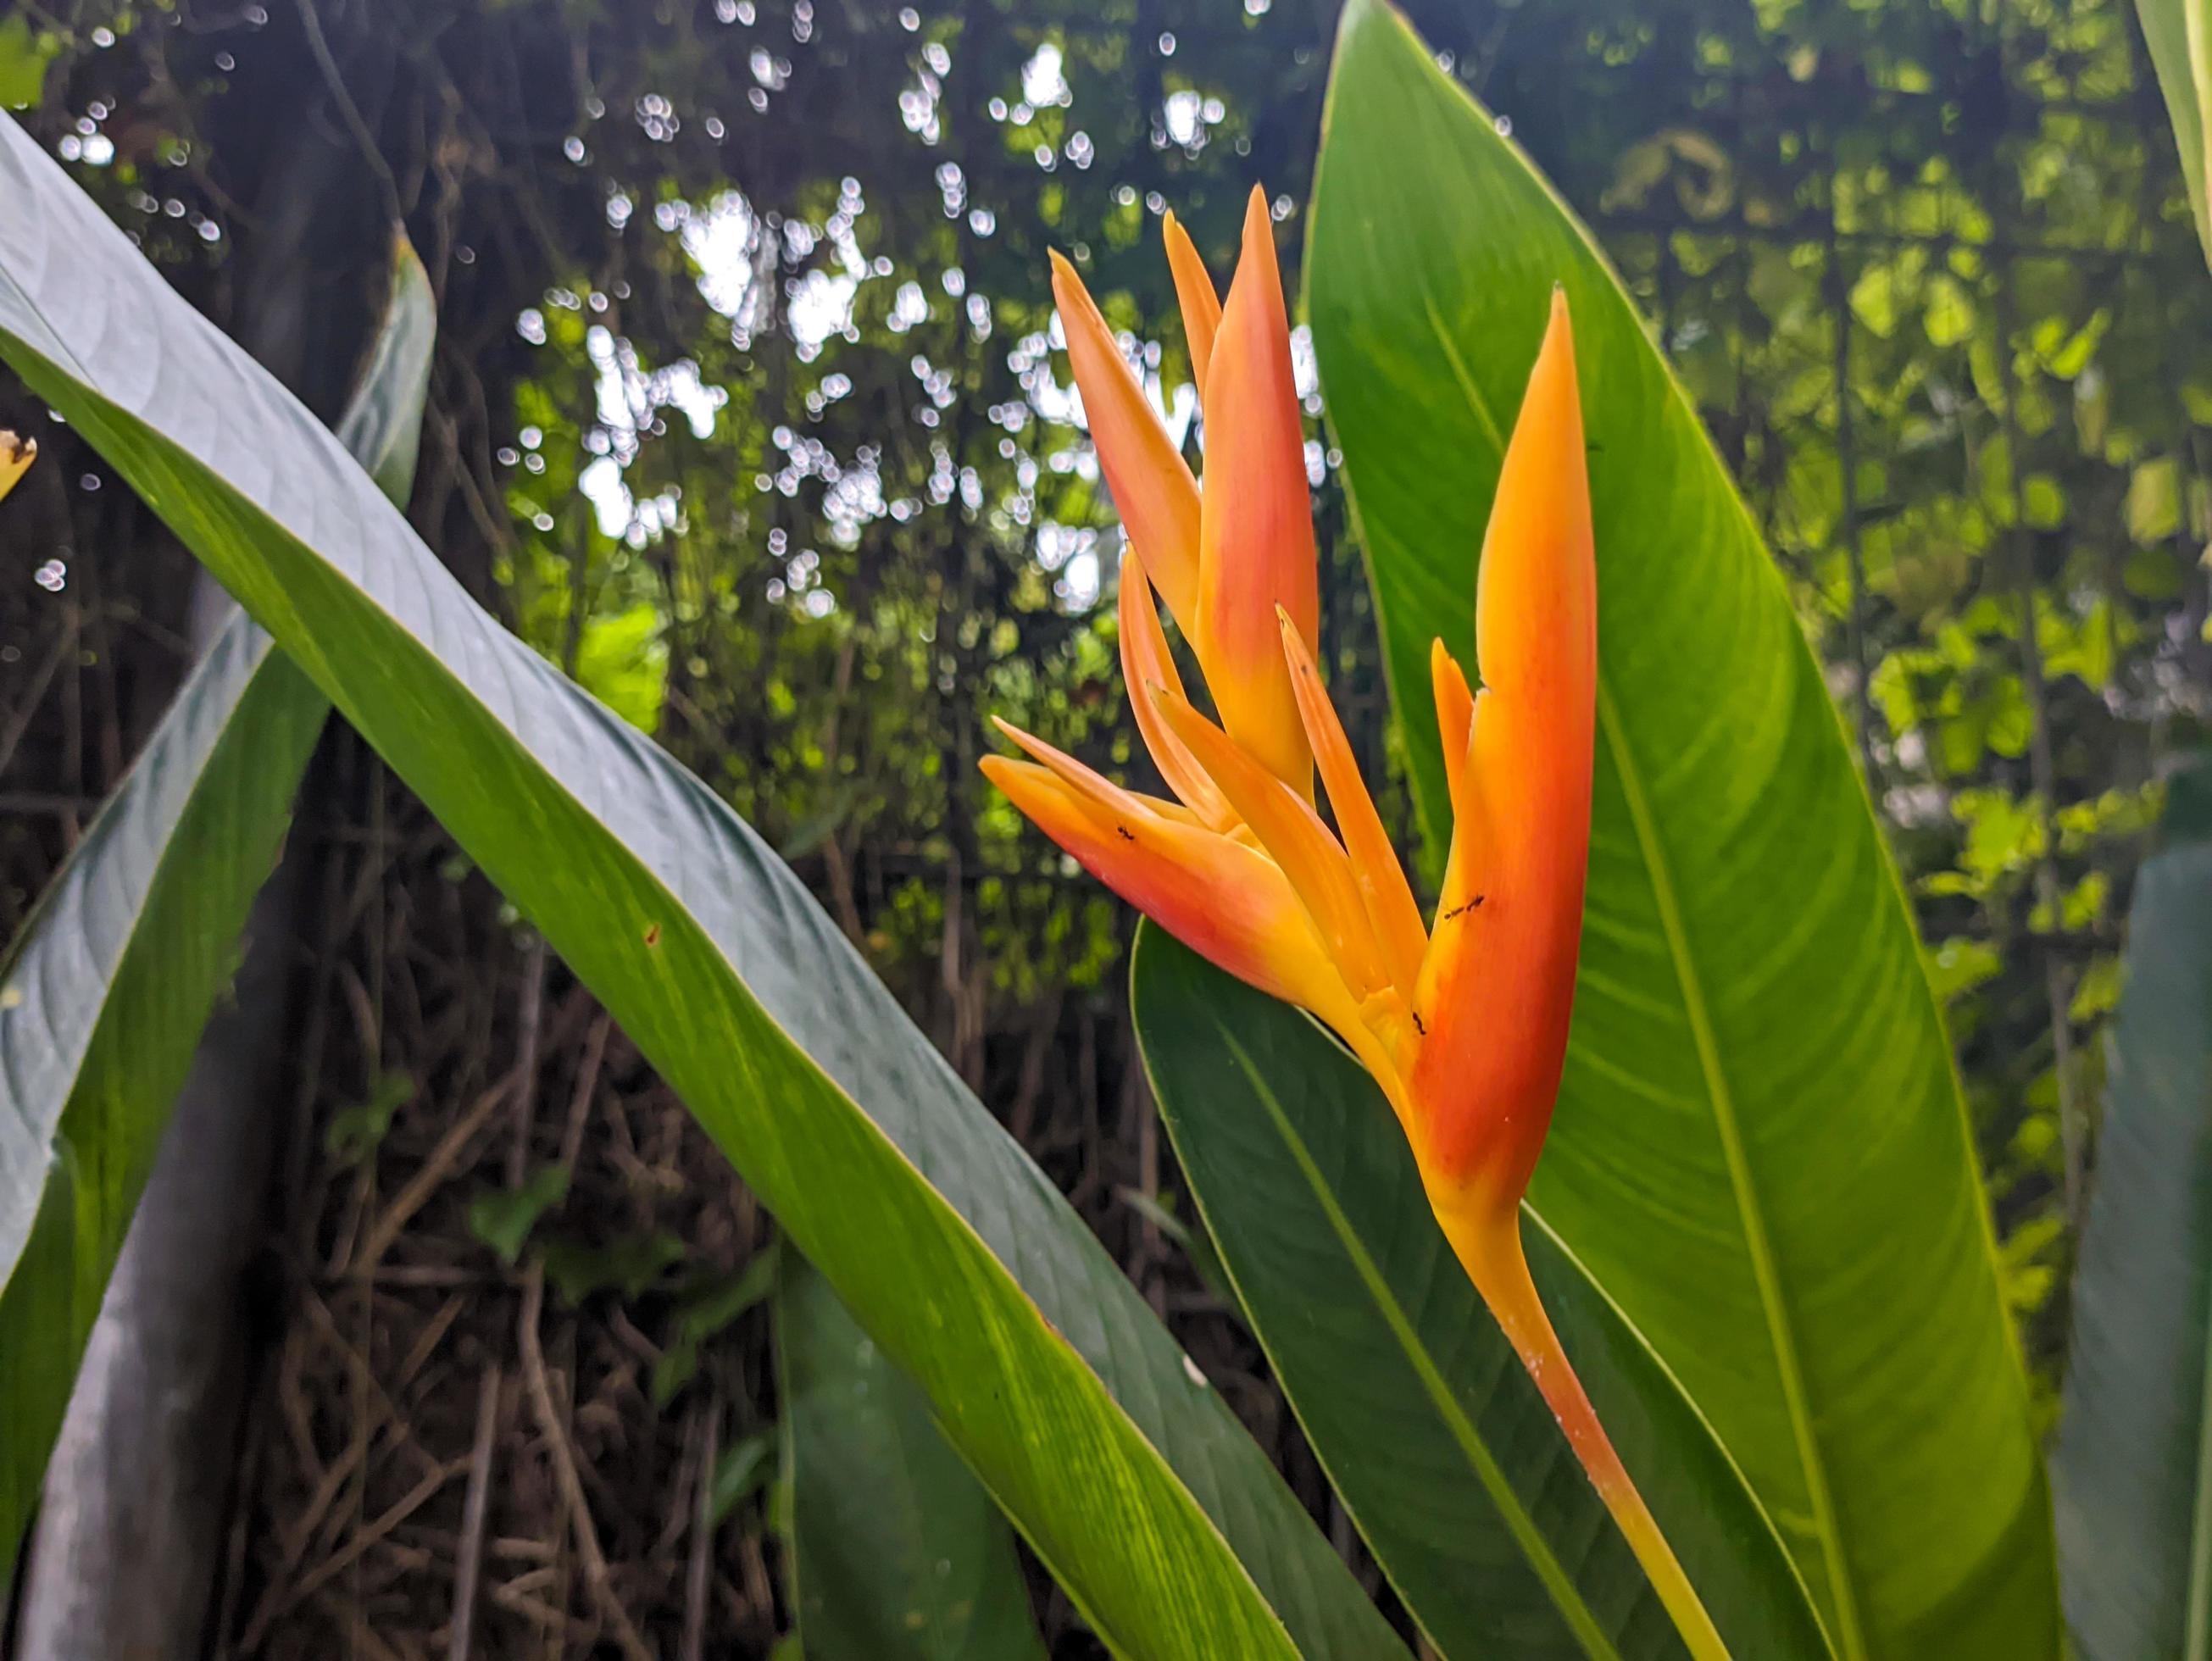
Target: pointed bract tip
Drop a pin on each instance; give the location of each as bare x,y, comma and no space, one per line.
999,769
1258,220
1561,321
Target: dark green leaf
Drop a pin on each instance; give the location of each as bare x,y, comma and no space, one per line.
106,990
2134,1465
740,1472
1443,1451
628,1264
706,1312
1760,1151
355,1133
1196,1242
896,1552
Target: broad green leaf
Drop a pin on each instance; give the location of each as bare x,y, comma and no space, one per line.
896,1553
2179,35
2133,1470
104,992
1760,1151
1445,1455
1169,1527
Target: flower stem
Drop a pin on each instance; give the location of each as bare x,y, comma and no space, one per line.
1489,1248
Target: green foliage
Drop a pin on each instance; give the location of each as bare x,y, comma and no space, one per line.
1441,1448
1995,187
2134,1464
703,1313
1759,1150
896,1551
628,1265
741,1470
502,1217
25,53
355,1133
104,993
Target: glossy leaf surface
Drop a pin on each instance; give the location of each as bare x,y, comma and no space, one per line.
1760,1150
896,1552
2134,1464
1170,1529
105,992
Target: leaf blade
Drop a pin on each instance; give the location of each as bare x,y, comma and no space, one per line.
973,1272
105,991
2133,1469
898,1554
1760,1149
2180,38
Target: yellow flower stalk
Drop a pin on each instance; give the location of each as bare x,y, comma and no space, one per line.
1462,1018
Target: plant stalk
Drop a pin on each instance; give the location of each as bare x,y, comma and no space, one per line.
1488,1244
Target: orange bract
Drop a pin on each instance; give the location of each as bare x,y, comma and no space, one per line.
1464,1028
1463,1023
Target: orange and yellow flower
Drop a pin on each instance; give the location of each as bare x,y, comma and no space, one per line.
1462,1019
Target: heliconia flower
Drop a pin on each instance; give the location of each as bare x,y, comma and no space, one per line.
1463,1022
17,455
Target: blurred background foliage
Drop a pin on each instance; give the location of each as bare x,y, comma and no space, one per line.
747,410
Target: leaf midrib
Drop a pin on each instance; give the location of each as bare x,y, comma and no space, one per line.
1556,1582
1760,1249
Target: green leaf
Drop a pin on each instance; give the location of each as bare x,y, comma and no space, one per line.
356,1132
1441,1447
1760,1150
622,660
2179,35
1197,1245
105,991
705,1313
382,428
1172,1531
2133,1470
896,1553
24,60
503,1217
629,1264
741,1471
